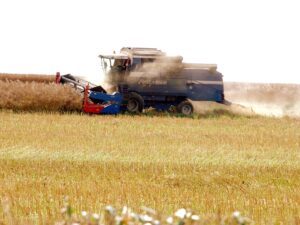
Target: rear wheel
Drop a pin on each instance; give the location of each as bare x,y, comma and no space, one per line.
135,103
186,108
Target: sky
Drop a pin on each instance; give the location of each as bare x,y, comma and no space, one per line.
250,40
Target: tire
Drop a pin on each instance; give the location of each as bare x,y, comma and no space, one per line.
135,103
185,108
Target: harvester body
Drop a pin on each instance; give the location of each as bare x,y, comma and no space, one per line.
147,77
161,81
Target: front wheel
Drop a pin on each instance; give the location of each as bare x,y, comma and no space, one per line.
135,103
186,108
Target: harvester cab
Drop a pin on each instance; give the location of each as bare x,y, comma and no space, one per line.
117,67
114,62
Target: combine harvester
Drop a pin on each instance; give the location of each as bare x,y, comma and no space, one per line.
146,77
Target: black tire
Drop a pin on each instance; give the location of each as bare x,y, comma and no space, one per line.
135,103
186,108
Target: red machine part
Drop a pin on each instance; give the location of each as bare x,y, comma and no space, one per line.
89,107
57,77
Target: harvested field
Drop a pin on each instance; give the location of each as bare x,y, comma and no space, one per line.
212,165
36,96
27,77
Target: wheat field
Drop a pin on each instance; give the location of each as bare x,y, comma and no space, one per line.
215,164
37,96
27,77
29,92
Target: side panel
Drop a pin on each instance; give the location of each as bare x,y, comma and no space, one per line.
193,83
157,84
204,85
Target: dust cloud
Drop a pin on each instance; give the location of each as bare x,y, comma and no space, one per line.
214,108
266,99
161,67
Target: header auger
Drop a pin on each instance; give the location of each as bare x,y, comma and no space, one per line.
95,99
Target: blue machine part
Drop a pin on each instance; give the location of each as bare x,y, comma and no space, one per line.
202,85
100,96
110,102
162,106
111,109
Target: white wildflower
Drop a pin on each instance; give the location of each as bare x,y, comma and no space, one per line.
146,218
124,210
110,209
133,216
195,217
189,214
156,222
236,214
96,216
170,220
241,220
63,210
180,213
84,213
149,210
118,219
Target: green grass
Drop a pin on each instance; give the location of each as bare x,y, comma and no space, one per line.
210,164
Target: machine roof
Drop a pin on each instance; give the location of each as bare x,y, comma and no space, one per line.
114,56
143,52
